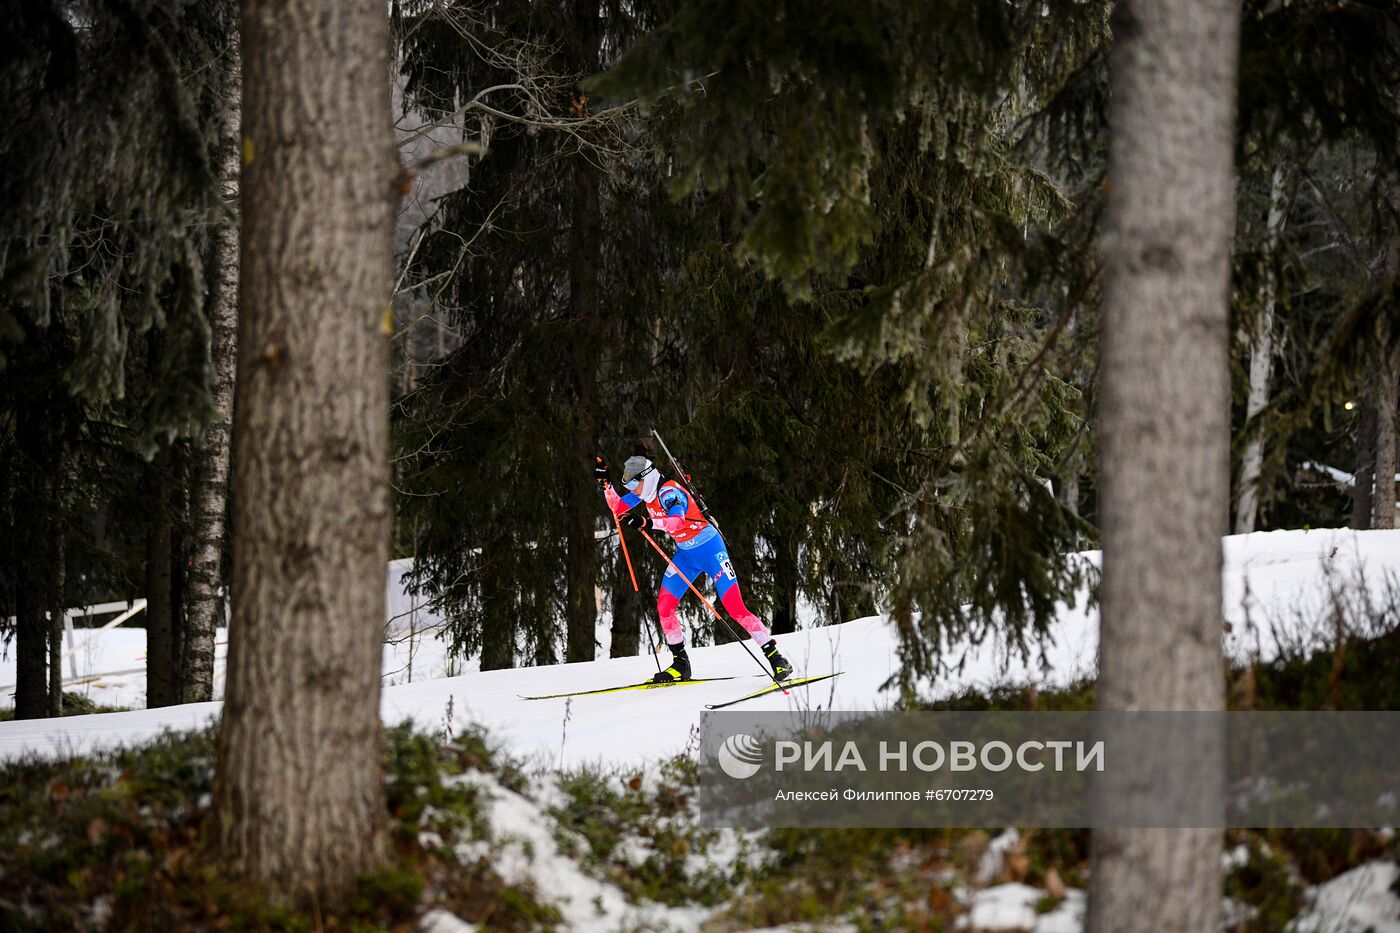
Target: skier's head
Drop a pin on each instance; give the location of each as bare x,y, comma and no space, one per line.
640,475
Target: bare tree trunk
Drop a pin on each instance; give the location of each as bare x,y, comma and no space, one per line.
178,588
298,792
210,500
863,602
31,640
1067,487
581,567
585,245
1385,388
544,654
1363,478
498,622
58,603
1261,358
785,580
1066,481
1165,473
32,580
848,600
1377,427
160,665
500,625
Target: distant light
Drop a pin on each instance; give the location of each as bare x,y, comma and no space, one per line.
1349,406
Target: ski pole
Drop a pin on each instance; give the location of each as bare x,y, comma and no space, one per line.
628,557
743,637
651,639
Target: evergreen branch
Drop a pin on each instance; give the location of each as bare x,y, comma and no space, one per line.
1345,239
1029,375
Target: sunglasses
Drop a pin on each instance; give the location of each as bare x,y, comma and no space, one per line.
636,480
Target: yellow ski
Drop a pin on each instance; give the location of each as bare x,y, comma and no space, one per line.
774,688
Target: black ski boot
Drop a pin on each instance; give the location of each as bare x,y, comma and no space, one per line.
782,670
679,669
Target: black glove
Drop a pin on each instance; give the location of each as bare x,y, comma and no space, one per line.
600,471
636,520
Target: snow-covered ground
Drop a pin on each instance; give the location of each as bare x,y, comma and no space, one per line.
1356,901
1277,586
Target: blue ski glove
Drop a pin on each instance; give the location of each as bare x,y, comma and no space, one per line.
636,520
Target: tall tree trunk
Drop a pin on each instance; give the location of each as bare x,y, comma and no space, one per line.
545,655
498,622
902,614
1261,358
210,499
298,792
581,568
1385,388
585,247
850,600
33,581
178,616
160,665
58,605
1067,486
1363,478
1066,480
1165,403
785,580
31,649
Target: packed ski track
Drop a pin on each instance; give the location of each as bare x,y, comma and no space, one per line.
1278,587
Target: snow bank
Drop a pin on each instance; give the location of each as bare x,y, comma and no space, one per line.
1356,901
523,850
1009,907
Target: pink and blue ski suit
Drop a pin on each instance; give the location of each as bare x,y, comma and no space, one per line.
700,551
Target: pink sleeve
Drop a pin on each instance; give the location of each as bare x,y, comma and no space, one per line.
614,500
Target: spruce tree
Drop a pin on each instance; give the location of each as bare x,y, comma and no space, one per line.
882,156
105,174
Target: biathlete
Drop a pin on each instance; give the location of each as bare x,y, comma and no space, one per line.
700,552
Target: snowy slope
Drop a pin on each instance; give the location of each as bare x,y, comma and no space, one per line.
1277,586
